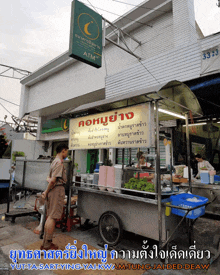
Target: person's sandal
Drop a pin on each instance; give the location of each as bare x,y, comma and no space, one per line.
51,247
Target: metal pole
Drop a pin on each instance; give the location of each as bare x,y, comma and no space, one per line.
24,173
9,189
70,184
190,225
129,156
109,22
123,162
103,33
188,152
171,163
138,57
157,175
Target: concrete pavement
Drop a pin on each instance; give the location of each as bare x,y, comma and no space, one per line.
20,235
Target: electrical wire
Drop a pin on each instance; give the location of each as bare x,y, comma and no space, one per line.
93,6
113,30
138,59
138,6
9,101
6,109
123,41
128,48
158,34
120,16
149,71
134,21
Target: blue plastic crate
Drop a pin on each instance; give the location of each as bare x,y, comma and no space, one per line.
181,200
216,178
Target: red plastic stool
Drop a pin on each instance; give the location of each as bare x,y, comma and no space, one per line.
71,220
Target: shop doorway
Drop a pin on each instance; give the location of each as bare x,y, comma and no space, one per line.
92,159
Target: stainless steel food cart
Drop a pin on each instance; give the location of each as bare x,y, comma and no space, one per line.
114,211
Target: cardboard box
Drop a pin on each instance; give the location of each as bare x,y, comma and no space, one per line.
179,180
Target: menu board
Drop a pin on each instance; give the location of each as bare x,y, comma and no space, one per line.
123,128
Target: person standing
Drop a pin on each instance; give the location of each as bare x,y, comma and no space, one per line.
54,195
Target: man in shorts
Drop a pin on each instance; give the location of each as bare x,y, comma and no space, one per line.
55,194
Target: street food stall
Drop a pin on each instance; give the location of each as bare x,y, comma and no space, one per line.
129,121
204,140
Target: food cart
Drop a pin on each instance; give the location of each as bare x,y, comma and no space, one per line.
127,121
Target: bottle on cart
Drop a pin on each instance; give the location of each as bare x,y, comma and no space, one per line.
78,178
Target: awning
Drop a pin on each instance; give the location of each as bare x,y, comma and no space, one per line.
207,91
173,96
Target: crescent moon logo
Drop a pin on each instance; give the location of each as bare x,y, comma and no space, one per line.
64,125
86,28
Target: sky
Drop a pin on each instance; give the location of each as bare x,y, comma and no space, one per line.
34,32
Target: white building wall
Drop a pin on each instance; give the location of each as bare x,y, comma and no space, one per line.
31,148
154,41
210,54
169,51
5,165
79,79
73,81
184,22
24,100
177,64
210,42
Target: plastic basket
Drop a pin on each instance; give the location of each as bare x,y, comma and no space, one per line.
181,200
216,178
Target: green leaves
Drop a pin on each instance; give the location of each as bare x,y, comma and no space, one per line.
17,154
141,185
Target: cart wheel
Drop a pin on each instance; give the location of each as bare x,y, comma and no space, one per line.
110,228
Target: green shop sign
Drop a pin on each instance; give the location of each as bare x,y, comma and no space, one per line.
55,125
85,35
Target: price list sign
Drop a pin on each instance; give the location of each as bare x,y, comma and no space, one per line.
123,128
